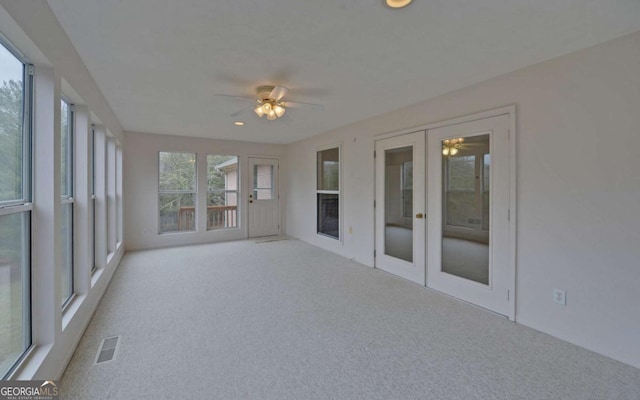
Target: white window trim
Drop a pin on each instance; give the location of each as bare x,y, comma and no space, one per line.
194,192
339,192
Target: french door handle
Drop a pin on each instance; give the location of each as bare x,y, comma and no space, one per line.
419,215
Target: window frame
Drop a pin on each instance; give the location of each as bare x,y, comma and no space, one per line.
24,205
337,192
194,192
226,193
92,200
67,199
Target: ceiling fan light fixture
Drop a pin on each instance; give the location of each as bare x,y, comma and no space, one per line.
279,110
258,110
266,107
271,115
397,3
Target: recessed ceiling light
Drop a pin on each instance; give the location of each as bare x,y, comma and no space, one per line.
238,123
397,3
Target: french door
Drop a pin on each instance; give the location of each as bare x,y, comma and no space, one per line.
462,245
400,200
264,203
468,208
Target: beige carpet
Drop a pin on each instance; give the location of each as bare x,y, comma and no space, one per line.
285,320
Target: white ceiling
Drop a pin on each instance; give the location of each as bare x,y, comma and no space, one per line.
159,62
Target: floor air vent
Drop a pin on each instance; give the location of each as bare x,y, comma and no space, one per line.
107,350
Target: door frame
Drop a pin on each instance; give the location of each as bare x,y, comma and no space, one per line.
249,188
509,110
419,254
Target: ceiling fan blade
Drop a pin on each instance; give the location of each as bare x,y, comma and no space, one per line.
310,106
236,97
278,92
235,114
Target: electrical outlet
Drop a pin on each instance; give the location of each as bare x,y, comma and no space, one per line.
560,297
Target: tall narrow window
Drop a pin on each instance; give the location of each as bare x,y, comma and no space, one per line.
100,220
111,195
66,193
93,200
328,192
15,210
177,192
222,195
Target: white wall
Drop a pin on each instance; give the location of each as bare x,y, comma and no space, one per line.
578,194
141,186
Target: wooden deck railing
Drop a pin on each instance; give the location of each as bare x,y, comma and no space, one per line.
217,217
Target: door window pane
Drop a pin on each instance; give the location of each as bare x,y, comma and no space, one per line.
465,199
222,196
398,202
461,194
407,189
263,182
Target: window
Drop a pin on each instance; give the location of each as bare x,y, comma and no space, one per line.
15,210
328,192
93,200
111,172
119,215
177,194
99,201
66,193
222,192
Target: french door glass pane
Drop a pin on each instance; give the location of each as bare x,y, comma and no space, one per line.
465,198
14,288
67,251
11,127
398,202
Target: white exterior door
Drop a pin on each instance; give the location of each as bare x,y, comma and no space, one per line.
264,204
400,201
468,208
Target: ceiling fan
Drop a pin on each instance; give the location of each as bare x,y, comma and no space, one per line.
270,102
